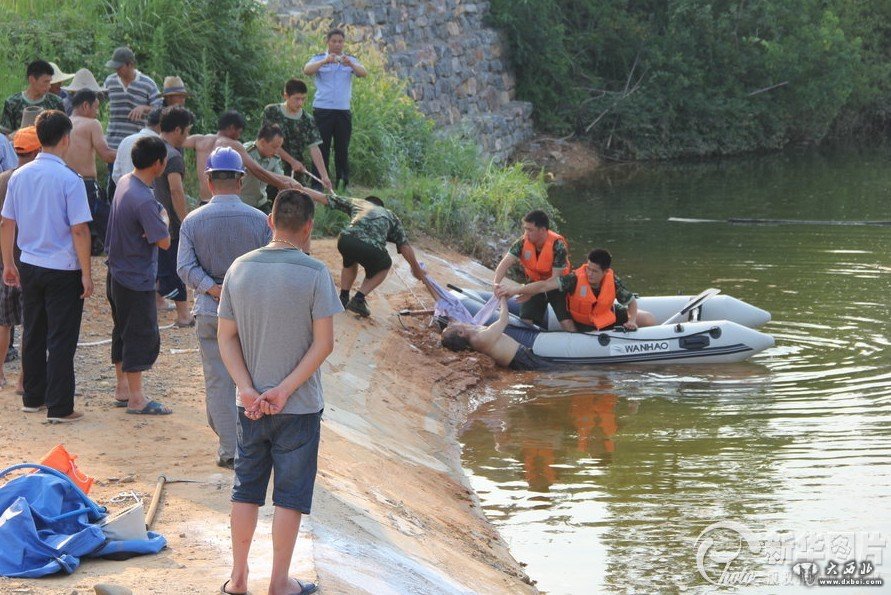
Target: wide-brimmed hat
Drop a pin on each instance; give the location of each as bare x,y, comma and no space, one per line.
121,56
173,85
58,75
29,115
84,79
25,140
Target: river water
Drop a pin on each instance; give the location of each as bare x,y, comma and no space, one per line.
611,479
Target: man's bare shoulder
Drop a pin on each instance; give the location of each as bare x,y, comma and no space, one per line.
202,141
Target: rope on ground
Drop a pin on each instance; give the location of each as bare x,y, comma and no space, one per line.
412,291
107,341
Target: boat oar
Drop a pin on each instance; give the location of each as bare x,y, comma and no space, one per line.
692,304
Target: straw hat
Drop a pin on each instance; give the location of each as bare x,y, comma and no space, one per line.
58,75
84,79
173,85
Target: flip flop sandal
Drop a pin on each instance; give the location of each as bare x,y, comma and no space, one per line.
306,588
224,590
151,408
118,403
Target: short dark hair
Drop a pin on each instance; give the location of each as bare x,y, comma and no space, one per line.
294,86
176,116
375,200
39,68
601,257
83,96
52,126
230,118
268,132
453,341
154,117
334,32
147,151
292,210
538,219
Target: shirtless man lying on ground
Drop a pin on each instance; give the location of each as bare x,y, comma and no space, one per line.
231,125
491,340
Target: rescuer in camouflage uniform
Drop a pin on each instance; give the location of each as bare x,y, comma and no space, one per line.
39,73
364,241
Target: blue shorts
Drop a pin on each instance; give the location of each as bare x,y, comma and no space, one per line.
289,444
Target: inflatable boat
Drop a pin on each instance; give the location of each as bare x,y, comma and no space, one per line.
708,328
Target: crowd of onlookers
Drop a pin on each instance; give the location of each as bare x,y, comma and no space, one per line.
263,333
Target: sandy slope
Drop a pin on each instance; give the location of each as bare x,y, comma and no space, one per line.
392,511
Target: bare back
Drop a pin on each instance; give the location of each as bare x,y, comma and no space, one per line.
81,155
203,144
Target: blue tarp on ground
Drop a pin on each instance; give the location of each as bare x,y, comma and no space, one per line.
48,524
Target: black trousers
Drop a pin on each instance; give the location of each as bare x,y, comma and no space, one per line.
135,340
53,309
335,125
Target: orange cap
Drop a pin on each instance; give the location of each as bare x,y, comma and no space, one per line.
25,140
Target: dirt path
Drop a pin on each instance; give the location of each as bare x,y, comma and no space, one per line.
392,511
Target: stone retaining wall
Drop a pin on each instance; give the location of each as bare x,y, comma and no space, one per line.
454,66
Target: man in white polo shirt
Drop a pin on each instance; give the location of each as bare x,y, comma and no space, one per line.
47,203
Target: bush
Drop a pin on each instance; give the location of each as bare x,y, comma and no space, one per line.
698,77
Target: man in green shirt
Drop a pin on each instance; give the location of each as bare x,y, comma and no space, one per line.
263,150
364,241
37,94
298,129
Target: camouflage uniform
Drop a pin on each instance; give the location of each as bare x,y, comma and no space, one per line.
370,223
15,105
300,133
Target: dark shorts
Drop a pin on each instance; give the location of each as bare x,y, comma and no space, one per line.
100,210
621,318
10,304
289,444
169,283
536,308
372,258
135,340
525,360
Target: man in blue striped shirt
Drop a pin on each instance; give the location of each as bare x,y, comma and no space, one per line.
211,238
131,96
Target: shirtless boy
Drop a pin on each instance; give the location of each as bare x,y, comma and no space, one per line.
230,127
87,139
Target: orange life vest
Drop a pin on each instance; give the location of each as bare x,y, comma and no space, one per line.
539,267
587,308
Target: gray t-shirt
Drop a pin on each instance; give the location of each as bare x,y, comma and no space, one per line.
274,295
134,225
175,165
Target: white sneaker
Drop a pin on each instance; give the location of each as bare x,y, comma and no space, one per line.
27,409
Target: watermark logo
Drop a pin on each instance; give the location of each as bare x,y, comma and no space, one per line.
806,571
730,554
722,544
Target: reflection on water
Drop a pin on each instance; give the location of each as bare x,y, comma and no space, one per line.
601,480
